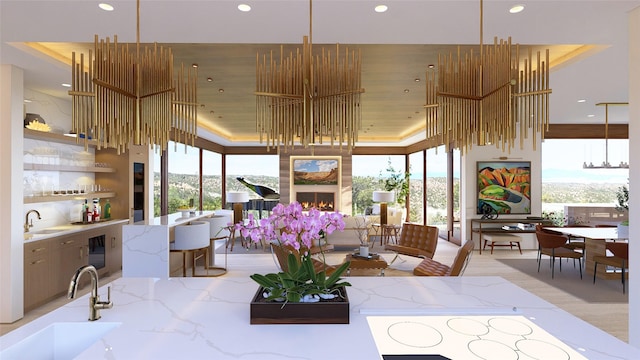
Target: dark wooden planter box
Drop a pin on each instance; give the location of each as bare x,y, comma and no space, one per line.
323,312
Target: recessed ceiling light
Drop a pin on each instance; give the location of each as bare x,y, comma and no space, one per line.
416,79
105,7
244,7
516,8
582,100
406,90
209,79
66,85
431,66
194,65
27,100
220,90
381,8
590,115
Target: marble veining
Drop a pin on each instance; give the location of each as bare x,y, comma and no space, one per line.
175,318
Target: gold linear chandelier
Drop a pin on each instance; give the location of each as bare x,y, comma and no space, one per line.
122,97
308,98
487,98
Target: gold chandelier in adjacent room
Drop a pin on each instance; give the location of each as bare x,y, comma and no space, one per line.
311,99
487,98
123,97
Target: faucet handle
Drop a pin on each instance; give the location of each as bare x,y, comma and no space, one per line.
105,304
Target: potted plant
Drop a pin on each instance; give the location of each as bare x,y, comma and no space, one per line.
280,294
397,182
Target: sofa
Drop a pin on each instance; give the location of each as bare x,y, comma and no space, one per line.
350,236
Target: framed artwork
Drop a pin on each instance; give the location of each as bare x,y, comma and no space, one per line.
504,187
316,171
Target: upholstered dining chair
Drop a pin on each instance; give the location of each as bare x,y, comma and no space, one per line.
577,243
553,245
415,240
430,267
620,259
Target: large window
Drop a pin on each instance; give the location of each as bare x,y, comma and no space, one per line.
184,176
566,183
211,180
368,172
254,169
416,187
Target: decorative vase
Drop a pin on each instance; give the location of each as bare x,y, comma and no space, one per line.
364,251
623,231
335,311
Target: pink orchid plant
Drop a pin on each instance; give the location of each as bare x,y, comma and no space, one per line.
290,226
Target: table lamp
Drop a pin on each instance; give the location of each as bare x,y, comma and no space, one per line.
237,198
383,197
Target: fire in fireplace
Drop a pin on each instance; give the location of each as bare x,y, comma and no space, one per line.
323,201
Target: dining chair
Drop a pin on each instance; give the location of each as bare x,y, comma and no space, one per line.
553,245
620,259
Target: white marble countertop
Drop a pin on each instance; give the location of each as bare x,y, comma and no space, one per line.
174,219
67,229
208,318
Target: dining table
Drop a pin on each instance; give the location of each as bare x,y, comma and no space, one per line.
595,239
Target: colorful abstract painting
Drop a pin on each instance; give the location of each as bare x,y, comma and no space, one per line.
505,186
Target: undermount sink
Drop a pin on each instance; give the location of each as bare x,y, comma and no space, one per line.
62,340
47,231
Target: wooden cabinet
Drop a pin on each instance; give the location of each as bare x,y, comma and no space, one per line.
49,264
41,259
74,253
113,249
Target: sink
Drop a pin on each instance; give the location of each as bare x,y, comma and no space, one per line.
62,340
47,231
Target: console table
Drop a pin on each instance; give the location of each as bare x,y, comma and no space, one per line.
494,226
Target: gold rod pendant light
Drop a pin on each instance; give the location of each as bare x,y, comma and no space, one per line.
480,99
121,97
308,98
605,163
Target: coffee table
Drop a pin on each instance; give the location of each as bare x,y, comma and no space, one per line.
375,262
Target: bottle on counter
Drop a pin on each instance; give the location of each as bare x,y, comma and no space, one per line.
85,212
88,212
107,210
96,210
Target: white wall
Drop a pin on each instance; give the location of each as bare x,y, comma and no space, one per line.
11,194
634,174
468,188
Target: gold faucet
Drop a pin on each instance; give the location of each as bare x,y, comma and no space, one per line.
28,224
95,305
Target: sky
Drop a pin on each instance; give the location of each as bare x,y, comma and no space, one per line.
562,162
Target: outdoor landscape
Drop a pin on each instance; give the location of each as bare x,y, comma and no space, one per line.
554,195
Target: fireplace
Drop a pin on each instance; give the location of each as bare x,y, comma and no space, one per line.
323,201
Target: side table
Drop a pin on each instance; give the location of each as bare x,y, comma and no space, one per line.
375,262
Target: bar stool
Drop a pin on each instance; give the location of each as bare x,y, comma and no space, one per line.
218,230
192,238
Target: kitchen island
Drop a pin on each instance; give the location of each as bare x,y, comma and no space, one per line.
145,243
176,318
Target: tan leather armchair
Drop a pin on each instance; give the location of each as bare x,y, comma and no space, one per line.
430,267
415,240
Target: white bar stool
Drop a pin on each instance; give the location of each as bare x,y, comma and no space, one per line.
218,230
191,238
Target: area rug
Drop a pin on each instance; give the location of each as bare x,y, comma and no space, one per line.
603,291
